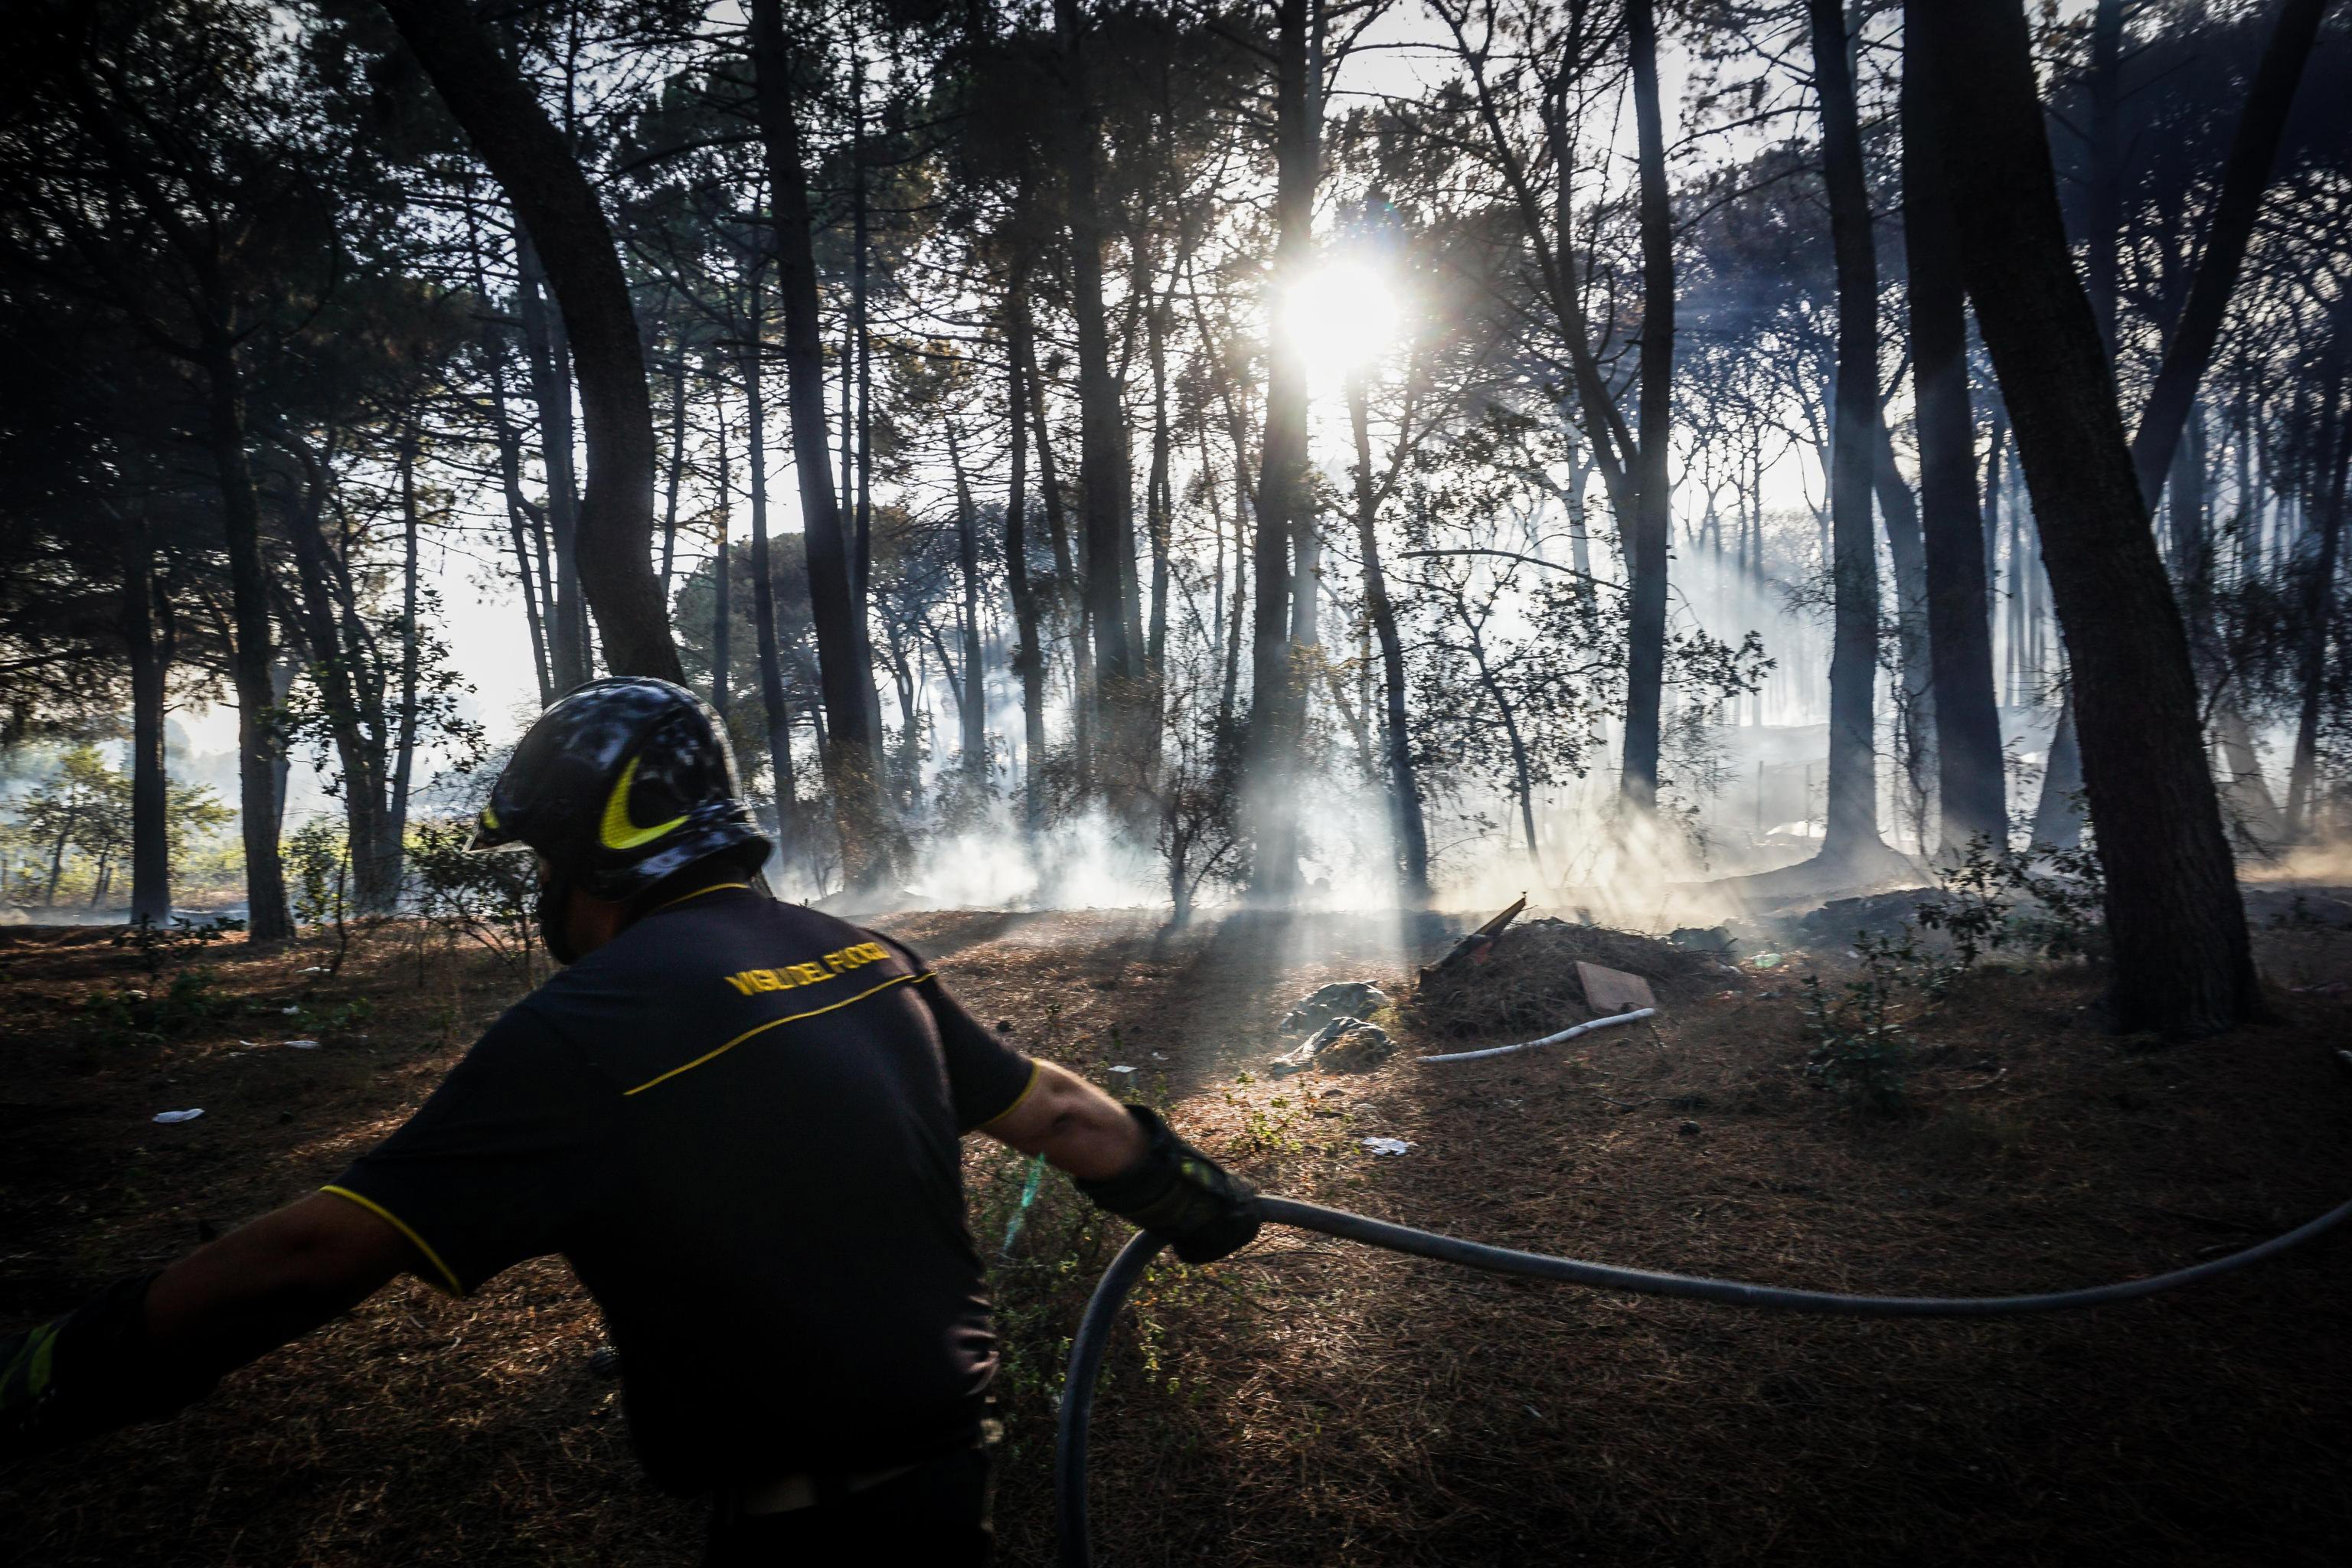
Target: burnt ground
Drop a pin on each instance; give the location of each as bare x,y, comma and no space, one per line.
1311,1402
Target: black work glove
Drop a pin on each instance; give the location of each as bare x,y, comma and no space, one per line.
87,1372
1180,1196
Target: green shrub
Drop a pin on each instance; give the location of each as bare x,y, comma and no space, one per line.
124,1014
1859,1051
2042,900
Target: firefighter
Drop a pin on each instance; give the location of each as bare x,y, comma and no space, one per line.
737,1118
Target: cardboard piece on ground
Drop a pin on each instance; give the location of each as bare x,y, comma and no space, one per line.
1611,991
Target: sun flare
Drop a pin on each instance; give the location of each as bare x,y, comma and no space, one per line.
1339,317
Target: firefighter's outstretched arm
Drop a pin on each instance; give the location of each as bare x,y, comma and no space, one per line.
146,1346
1128,1161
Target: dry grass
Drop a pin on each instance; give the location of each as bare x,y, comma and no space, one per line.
1311,1402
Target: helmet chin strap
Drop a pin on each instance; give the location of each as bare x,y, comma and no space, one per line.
555,916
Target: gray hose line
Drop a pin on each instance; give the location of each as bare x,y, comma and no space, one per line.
1094,1328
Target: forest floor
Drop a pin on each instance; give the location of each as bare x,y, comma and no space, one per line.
1310,1402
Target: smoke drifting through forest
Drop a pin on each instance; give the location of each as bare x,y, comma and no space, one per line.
1298,453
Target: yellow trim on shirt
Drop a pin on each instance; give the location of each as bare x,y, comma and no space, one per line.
402,1225
714,888
774,1022
1036,1069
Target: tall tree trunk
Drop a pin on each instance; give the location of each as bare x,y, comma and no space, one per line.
2182,962
2318,619
1105,514
1579,533
722,588
1029,656
972,699
523,520
258,746
1065,571
676,469
551,195
1396,736
1899,510
1969,788
151,833
403,766
861,336
1159,506
1274,703
1648,537
1852,829
58,862
550,384
775,717
340,662
845,661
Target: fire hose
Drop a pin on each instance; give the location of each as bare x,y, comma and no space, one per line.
1127,1268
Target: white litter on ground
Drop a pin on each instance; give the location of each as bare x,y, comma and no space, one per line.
169,1117
1122,1069
1386,1145
302,1045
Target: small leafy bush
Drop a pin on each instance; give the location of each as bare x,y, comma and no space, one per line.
1859,1051
2040,900
125,1015
490,898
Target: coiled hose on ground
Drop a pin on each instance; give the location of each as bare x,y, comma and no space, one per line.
1118,1280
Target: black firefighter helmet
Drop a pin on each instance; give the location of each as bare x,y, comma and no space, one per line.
619,784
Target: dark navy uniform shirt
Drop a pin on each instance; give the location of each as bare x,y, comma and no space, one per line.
738,1119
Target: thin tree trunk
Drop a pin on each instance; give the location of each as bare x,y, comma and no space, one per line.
845,661
522,518
1160,508
1396,736
1275,706
1899,510
1029,658
1648,537
2319,618
1065,575
776,718
971,700
676,469
257,747
722,587
1104,510
57,863
395,833
151,846
2182,963
340,663
1969,788
861,337
551,381
1852,829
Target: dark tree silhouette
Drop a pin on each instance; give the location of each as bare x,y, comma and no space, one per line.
556,203
2182,962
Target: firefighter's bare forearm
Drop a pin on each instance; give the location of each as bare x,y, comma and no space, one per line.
271,1281
1077,1127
